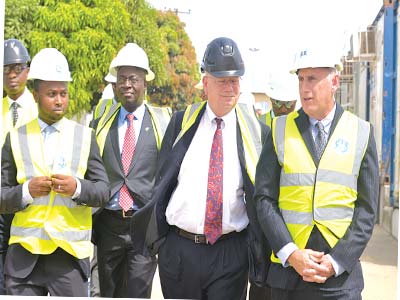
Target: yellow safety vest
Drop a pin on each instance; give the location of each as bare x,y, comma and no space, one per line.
324,196
29,114
266,119
249,127
54,220
160,117
102,107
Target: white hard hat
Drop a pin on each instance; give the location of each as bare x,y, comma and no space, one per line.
110,78
247,97
283,86
258,105
108,92
131,55
49,64
317,57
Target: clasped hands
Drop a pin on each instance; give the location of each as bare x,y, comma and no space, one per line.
312,265
42,185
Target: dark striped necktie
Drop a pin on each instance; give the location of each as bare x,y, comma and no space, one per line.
320,139
14,111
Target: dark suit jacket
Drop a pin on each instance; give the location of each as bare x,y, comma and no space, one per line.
140,177
94,192
151,222
350,247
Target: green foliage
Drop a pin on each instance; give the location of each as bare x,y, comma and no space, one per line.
18,19
91,32
88,33
178,90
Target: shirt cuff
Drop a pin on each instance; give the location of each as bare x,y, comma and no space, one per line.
285,252
26,196
78,189
338,268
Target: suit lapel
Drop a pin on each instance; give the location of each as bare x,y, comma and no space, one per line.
240,149
113,135
146,132
184,142
303,125
338,113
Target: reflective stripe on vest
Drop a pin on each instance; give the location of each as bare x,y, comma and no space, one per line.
102,108
159,116
323,196
28,114
54,220
249,127
266,119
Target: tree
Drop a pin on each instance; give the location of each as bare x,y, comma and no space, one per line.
91,32
88,32
19,19
182,68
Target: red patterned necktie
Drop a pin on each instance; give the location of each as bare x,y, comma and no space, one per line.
213,219
125,198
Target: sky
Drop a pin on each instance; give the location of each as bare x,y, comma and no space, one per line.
270,32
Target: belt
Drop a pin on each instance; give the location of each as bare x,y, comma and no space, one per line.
201,238
121,213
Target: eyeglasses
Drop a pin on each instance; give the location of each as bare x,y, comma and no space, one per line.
279,104
231,82
17,68
132,80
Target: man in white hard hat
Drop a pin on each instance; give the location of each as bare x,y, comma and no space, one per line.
51,176
317,188
129,135
282,89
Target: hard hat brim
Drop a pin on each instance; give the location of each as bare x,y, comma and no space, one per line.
149,73
235,73
338,68
110,78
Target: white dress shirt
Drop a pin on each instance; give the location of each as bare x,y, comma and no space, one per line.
113,204
187,206
53,159
123,124
24,102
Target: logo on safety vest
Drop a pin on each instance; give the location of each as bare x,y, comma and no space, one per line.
61,163
341,146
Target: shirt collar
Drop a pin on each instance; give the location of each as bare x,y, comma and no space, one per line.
56,125
229,118
327,120
23,101
139,113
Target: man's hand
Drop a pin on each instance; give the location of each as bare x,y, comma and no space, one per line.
311,265
39,186
64,184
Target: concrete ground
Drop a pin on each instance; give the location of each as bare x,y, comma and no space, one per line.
379,262
380,266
